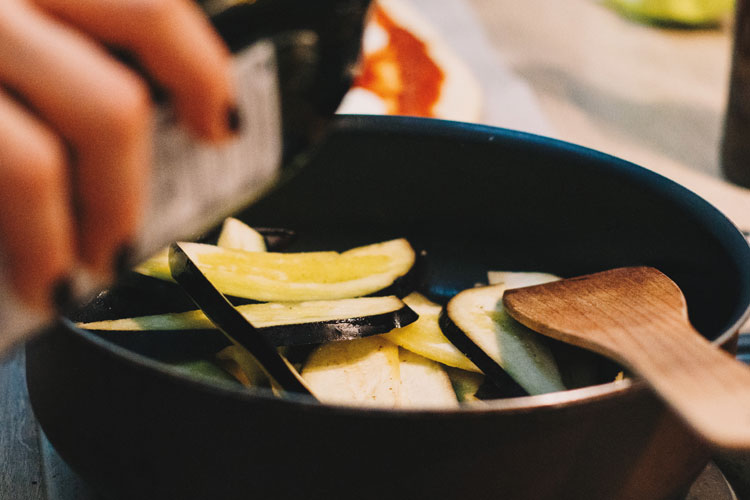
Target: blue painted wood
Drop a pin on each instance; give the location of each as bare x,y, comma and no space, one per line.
30,469
60,482
21,475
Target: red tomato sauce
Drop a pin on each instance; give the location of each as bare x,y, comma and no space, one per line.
401,73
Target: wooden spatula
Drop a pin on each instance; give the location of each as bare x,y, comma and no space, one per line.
638,317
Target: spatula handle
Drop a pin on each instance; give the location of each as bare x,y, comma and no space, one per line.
705,385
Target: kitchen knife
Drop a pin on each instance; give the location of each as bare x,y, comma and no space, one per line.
293,62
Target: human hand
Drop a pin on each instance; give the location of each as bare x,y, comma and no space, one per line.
75,126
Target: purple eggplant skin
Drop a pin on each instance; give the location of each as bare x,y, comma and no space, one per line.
231,322
507,387
135,294
164,344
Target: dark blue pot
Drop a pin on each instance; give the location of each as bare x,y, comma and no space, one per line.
477,198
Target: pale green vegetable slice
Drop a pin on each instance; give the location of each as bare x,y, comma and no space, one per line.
688,12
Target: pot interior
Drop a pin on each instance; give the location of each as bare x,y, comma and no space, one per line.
477,199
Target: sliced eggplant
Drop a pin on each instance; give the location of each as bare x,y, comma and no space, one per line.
270,276
424,383
519,279
282,324
232,323
476,323
359,372
424,336
238,235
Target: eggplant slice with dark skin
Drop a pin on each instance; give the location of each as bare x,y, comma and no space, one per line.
232,323
492,371
282,324
476,323
293,277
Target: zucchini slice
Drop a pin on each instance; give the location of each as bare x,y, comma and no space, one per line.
238,235
424,336
424,383
288,277
360,372
476,322
282,324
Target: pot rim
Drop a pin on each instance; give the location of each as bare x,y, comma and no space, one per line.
468,133
524,404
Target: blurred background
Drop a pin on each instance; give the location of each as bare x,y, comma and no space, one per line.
645,80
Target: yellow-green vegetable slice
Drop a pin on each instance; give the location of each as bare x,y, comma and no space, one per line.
271,276
424,336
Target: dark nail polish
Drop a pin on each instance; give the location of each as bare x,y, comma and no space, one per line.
62,295
234,122
123,260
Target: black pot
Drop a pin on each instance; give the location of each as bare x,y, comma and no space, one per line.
476,198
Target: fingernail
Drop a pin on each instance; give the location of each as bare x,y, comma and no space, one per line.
123,260
234,122
62,295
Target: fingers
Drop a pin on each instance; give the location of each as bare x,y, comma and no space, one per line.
101,110
176,44
35,222
78,100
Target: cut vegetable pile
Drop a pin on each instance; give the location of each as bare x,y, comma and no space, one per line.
347,345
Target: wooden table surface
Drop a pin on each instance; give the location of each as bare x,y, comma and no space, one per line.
649,95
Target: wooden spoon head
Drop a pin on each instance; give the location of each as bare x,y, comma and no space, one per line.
595,311
638,316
